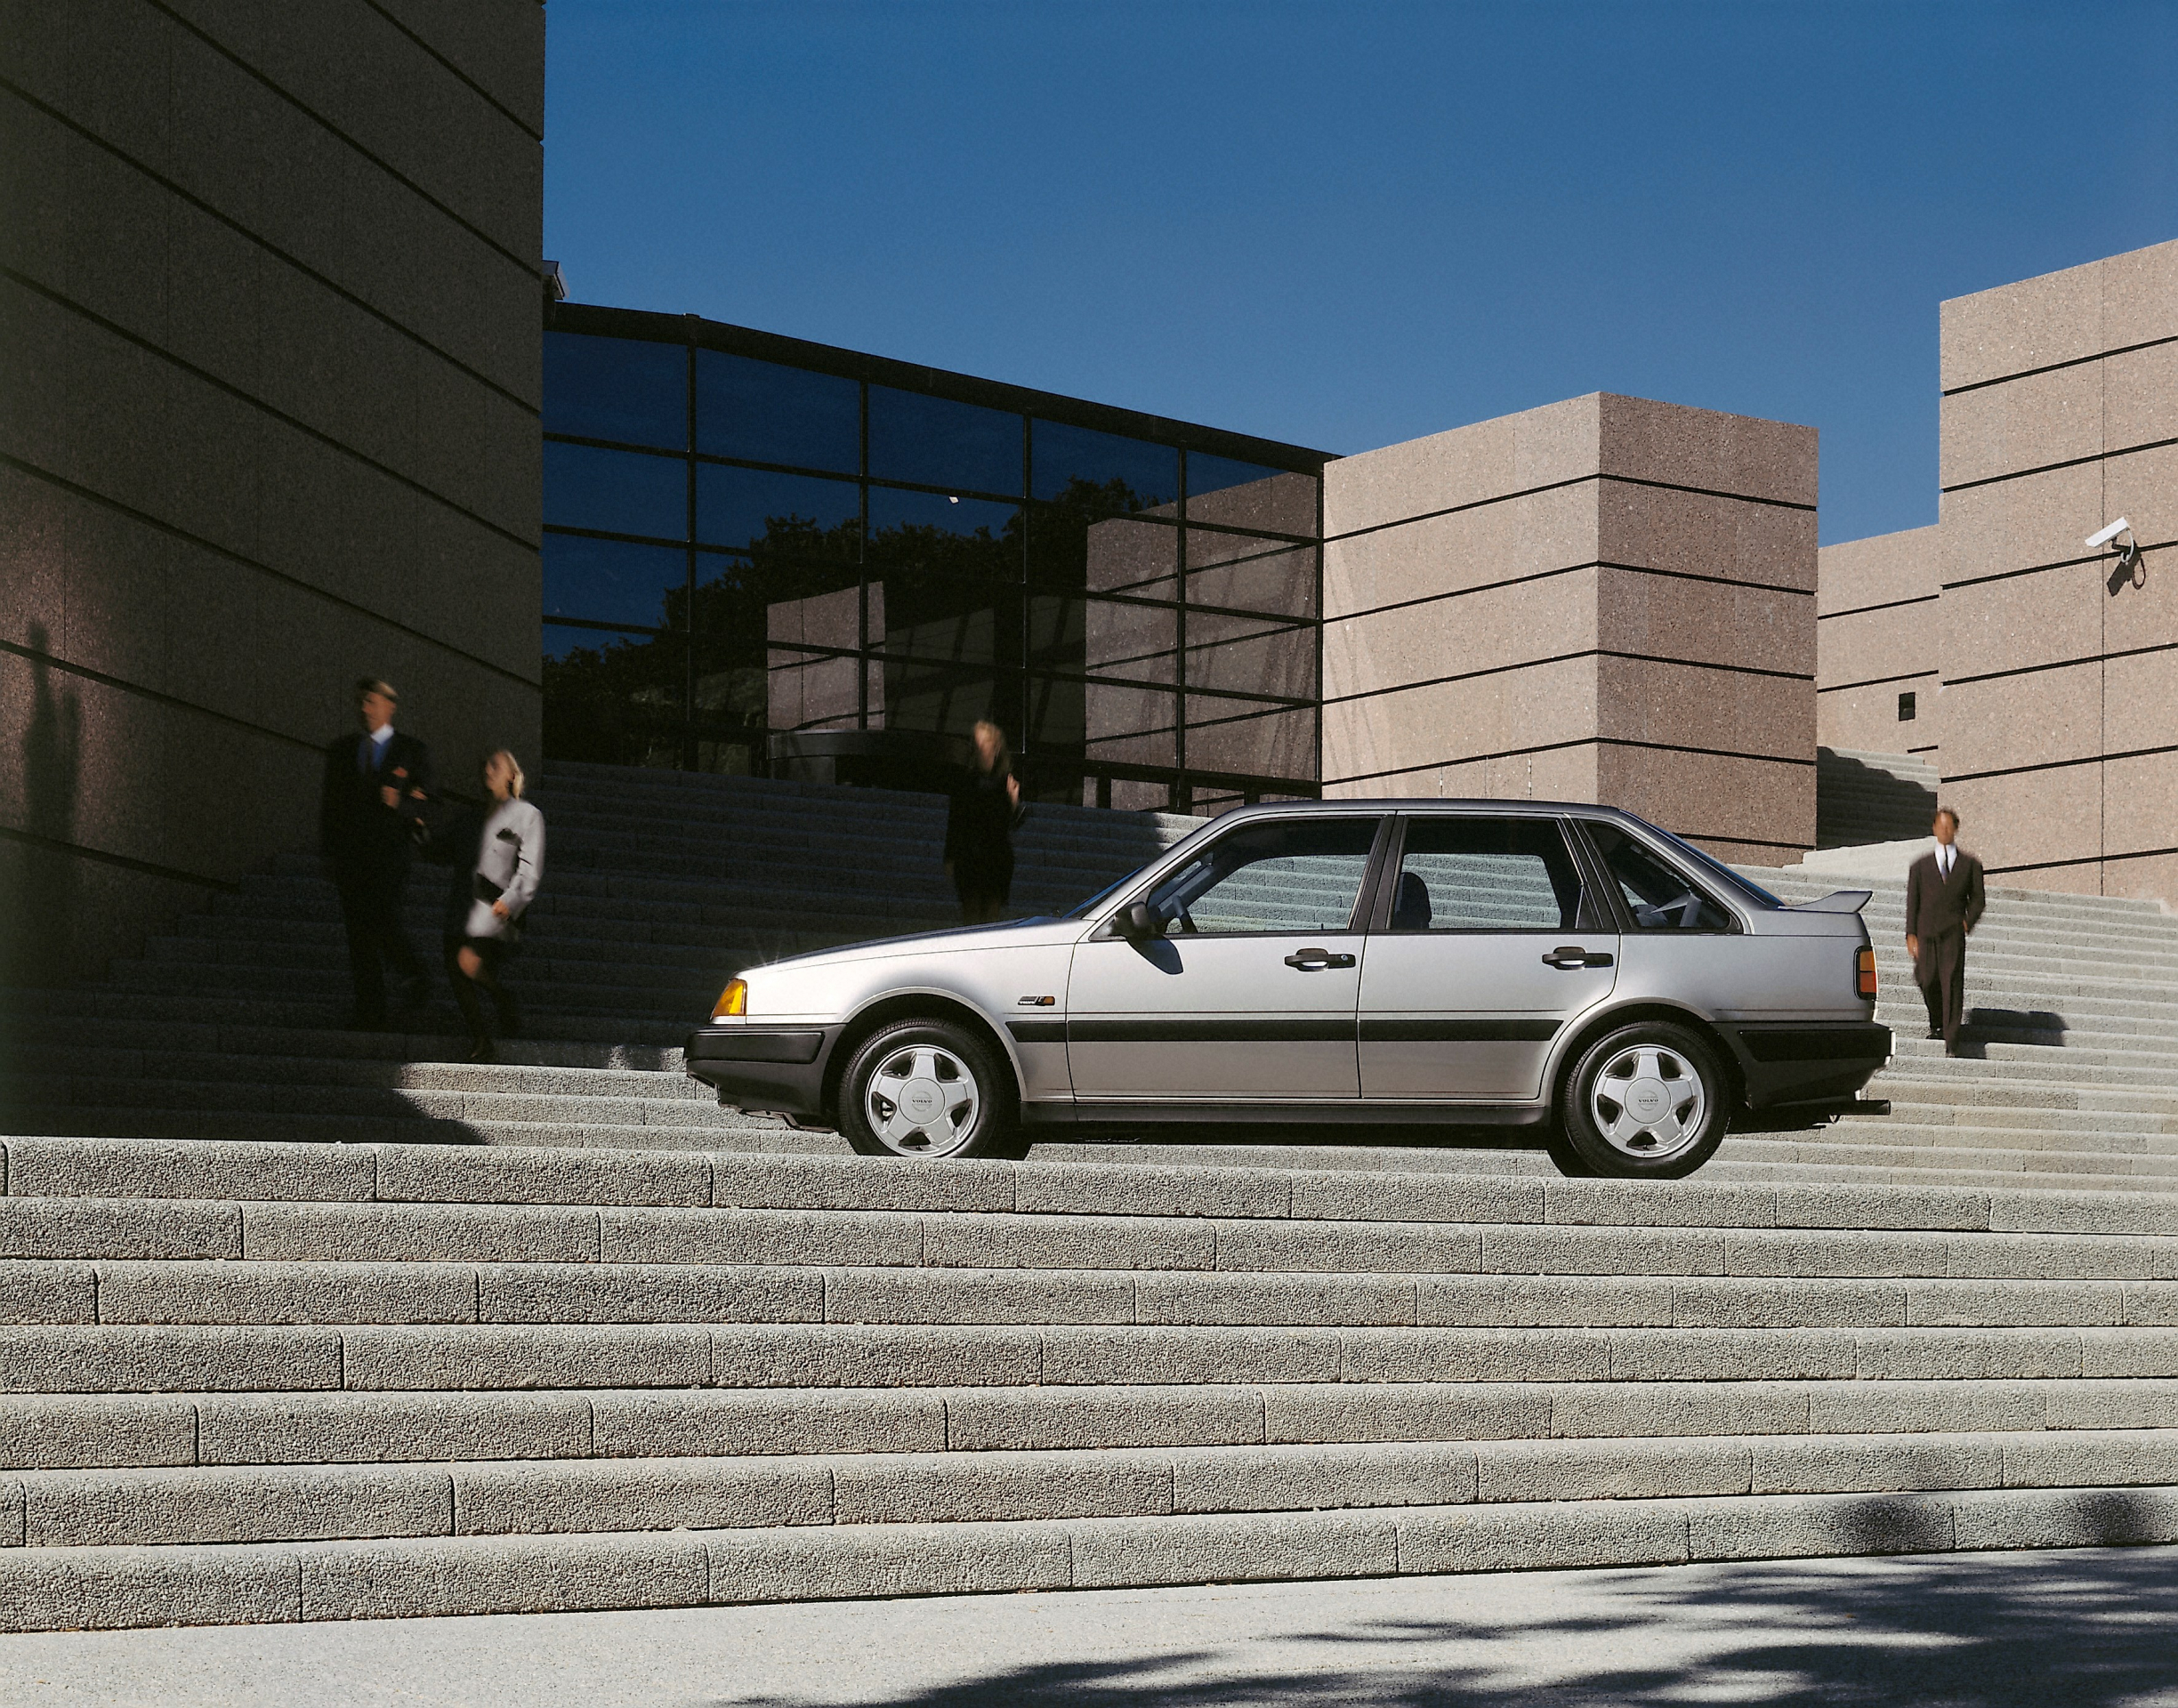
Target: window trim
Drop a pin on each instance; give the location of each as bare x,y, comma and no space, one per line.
1734,925
1380,914
1357,917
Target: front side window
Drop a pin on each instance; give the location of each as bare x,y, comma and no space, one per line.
1658,896
1300,877
1486,875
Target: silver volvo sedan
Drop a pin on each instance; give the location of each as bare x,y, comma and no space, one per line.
1392,963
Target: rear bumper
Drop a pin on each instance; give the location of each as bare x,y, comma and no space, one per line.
1807,1062
765,1069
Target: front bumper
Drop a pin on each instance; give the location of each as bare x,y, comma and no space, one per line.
1807,1061
765,1069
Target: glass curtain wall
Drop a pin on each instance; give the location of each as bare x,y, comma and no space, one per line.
739,549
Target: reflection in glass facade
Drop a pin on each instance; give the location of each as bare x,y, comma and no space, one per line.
748,538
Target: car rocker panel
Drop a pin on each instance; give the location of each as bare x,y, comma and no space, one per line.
1459,964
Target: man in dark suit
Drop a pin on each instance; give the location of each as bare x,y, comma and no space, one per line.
374,785
1944,900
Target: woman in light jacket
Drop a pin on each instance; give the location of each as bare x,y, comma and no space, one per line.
498,862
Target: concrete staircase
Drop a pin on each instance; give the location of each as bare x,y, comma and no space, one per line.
2070,1070
245,1383
659,887
614,1346
1862,797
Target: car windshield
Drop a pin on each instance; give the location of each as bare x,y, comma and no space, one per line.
1716,868
1089,905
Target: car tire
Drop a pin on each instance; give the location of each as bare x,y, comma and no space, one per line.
1568,1161
927,1089
1648,1102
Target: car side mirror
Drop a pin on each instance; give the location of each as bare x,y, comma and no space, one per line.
1137,923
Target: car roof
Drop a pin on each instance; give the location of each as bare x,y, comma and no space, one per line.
1433,804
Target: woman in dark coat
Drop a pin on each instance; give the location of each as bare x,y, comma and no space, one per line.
978,845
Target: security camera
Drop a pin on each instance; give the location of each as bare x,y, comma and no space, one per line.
2109,534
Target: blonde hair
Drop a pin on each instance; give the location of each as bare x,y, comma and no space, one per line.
1002,760
515,770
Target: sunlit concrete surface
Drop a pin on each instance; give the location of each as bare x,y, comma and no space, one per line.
2094,1627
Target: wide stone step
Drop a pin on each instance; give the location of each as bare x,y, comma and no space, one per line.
45,1588
39,1431
215,1504
333,1292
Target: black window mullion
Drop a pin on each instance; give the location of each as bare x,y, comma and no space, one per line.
688,605
862,619
1182,795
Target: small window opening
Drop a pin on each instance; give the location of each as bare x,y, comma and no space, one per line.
1905,708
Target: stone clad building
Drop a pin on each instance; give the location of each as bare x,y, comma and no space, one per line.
277,410
269,392
2045,675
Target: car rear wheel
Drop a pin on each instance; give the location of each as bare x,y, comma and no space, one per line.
1647,1101
926,1089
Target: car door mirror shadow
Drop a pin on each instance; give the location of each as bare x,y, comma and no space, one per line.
1160,952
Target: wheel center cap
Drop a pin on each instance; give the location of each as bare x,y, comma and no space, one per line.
922,1099
1648,1098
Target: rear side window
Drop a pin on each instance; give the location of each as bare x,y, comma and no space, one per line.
1299,876
1486,875
1658,896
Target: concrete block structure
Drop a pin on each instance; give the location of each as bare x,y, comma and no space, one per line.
269,422
1607,598
2058,725
1875,638
2061,729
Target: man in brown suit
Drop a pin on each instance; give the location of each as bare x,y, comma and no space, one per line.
1943,902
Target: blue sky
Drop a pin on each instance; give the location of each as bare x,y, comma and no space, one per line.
1346,224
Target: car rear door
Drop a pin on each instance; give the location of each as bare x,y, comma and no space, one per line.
1248,991
1488,944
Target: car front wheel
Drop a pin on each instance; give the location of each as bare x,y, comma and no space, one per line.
926,1089
1647,1101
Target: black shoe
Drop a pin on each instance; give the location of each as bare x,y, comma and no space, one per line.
1935,1032
1955,1050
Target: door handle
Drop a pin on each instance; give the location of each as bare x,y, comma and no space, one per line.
1316,960
1573,955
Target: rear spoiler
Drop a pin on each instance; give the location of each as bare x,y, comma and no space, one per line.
1838,901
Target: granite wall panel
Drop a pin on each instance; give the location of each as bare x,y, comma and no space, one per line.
1723,711
1490,460
2030,819
1605,571
2041,717
2029,422
1888,643
189,582
1508,540
1488,629
1702,533
1886,570
1754,809
1867,718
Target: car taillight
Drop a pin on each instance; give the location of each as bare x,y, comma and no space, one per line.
733,999
1864,973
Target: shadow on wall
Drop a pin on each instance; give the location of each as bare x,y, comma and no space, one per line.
37,878
2086,1631
52,762
1856,804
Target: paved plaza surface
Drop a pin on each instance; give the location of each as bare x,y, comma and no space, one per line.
2090,1627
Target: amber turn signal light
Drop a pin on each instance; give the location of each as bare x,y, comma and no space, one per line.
734,1001
1864,973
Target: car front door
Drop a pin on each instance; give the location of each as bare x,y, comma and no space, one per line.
1246,987
1488,944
